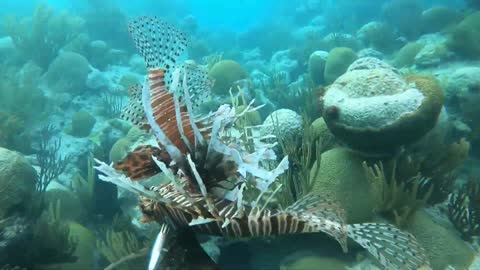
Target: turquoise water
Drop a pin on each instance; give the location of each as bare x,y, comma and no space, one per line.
289,135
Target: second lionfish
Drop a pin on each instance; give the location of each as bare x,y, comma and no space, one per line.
210,168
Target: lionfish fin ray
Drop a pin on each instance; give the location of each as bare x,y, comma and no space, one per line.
110,174
133,111
395,249
139,165
323,214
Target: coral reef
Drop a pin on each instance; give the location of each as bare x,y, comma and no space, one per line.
302,155
379,36
371,105
84,250
17,183
316,67
12,132
22,104
120,149
82,124
119,245
339,175
71,207
399,199
44,35
404,15
438,18
321,132
312,262
225,73
337,63
286,125
431,55
405,57
52,241
68,73
464,38
249,118
50,160
442,245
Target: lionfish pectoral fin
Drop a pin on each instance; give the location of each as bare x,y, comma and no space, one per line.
395,249
139,165
322,215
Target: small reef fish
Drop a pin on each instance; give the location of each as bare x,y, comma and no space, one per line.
197,157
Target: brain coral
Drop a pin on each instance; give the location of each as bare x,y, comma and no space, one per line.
225,73
373,109
68,73
443,246
337,62
341,177
285,124
17,182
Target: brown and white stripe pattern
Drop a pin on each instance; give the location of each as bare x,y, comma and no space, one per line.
253,222
163,108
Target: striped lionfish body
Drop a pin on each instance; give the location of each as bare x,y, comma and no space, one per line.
254,221
207,173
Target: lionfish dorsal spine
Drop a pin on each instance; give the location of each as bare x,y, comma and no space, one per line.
161,136
162,46
188,103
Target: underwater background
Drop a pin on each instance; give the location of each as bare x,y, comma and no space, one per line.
374,104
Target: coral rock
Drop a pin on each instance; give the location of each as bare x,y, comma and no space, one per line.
17,182
442,245
225,73
373,109
339,59
316,66
287,124
342,178
68,73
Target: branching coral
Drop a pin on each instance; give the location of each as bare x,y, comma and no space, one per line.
298,181
413,180
464,210
438,166
121,249
52,164
21,102
84,187
299,97
112,103
41,37
10,128
398,198
52,242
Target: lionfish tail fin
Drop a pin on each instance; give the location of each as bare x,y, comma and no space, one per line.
139,164
322,215
395,249
160,44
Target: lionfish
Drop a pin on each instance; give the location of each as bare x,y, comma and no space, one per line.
209,168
